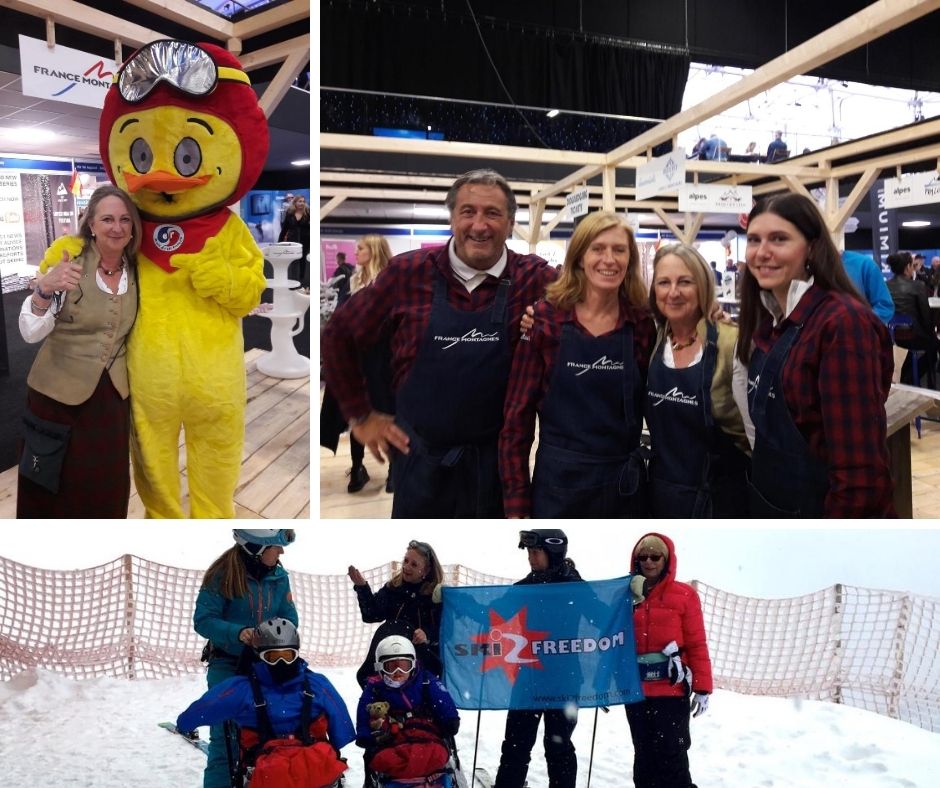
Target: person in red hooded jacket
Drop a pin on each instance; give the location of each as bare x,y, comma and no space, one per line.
674,664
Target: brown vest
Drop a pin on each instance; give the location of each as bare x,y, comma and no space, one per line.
88,334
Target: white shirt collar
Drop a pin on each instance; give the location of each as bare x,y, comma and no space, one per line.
471,277
798,288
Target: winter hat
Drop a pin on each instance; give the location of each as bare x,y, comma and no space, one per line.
651,543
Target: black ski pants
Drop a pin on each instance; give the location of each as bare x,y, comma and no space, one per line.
521,731
659,728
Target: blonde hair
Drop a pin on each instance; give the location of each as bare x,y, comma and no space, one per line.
435,572
570,287
230,569
380,253
701,273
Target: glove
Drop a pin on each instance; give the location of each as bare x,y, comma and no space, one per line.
638,589
436,593
209,271
676,670
72,244
699,703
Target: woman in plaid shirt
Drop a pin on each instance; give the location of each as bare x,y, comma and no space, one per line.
819,365
582,369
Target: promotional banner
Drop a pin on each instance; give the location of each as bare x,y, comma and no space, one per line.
884,225
714,199
664,174
64,74
12,235
543,646
916,188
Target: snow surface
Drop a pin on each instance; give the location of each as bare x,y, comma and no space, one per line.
102,733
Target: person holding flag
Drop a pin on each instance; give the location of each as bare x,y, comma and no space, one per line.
547,552
674,664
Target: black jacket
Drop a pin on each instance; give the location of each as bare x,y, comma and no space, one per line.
910,298
561,574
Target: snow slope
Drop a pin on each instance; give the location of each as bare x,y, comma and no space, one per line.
61,733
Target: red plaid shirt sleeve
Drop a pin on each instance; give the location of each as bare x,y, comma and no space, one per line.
532,367
836,381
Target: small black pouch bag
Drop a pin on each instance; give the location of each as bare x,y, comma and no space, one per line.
43,451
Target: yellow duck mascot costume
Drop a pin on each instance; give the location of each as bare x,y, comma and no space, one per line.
182,132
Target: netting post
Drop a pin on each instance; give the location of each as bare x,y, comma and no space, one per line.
130,614
838,652
900,635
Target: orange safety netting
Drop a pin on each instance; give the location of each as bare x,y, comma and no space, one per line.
876,650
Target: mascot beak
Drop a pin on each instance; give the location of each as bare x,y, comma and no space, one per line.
159,181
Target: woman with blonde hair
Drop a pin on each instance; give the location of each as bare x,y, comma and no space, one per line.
582,370
699,462
372,256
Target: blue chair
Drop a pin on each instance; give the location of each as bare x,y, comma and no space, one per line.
907,322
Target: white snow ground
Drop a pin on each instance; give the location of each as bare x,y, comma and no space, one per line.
59,733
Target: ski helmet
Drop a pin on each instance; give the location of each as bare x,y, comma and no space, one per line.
255,540
276,633
552,540
393,647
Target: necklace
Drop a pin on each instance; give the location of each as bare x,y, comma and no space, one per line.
676,345
111,273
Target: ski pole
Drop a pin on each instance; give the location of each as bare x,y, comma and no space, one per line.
476,747
593,738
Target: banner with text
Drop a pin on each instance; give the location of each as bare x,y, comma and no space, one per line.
663,174
12,229
916,188
64,74
543,646
884,225
714,199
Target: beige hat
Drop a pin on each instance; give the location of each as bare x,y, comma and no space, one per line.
653,543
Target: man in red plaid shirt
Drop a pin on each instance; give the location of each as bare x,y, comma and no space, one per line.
451,313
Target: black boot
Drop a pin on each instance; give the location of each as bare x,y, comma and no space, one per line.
358,476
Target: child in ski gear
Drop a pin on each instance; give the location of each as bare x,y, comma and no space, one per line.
407,741
244,586
547,553
407,605
674,664
292,722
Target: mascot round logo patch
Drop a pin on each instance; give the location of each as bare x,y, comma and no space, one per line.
168,237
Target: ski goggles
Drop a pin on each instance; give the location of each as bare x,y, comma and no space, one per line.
274,655
405,667
187,67
532,539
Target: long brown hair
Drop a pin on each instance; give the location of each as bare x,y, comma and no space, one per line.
230,569
569,288
823,262
435,574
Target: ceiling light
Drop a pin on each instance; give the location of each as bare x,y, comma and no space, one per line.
916,223
551,113
301,163
28,134
431,212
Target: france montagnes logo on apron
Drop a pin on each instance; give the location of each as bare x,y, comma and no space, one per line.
674,396
603,364
753,383
471,336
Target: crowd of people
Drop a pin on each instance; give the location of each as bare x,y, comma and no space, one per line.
780,415
274,721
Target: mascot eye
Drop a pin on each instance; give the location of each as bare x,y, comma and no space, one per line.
187,157
141,155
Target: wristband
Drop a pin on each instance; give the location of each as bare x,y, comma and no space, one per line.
47,297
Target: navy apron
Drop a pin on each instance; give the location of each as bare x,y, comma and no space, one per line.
451,407
786,480
588,463
696,470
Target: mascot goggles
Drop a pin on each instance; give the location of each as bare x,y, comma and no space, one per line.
274,655
405,666
186,67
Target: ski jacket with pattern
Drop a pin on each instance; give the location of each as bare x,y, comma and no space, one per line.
232,699
220,620
672,611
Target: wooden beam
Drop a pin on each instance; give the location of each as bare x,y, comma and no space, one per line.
86,19
332,203
536,209
676,230
609,176
189,15
276,53
279,16
798,188
855,197
693,227
284,78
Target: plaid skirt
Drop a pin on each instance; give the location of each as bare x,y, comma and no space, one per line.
96,479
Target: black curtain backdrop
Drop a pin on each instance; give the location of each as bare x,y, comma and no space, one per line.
367,47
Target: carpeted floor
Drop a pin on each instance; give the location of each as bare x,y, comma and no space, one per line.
19,357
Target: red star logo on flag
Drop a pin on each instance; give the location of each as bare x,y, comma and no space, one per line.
515,641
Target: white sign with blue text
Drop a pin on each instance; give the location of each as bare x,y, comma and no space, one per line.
64,74
915,188
698,198
660,175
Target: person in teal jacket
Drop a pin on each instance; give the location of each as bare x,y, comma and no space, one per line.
244,586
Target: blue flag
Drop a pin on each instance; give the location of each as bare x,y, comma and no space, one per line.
542,646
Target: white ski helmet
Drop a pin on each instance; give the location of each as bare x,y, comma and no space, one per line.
393,647
255,540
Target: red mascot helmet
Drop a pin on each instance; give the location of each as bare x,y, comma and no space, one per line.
230,98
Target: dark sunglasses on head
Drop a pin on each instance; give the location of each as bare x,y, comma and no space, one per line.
649,557
422,547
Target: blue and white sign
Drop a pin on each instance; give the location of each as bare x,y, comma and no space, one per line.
698,198
64,74
664,174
